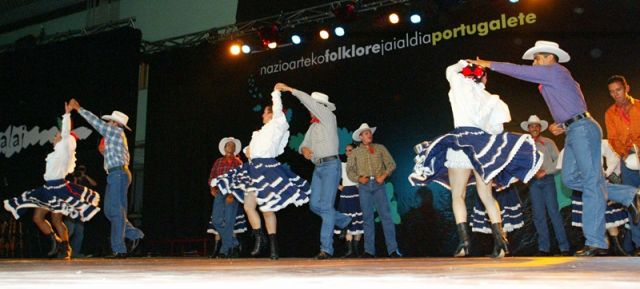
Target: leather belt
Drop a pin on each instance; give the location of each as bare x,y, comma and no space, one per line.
118,168
576,117
326,159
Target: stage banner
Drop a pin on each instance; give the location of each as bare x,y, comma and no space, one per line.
99,70
391,77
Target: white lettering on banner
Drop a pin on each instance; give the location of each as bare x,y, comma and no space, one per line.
16,138
410,39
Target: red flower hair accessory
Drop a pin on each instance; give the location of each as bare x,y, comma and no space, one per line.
475,72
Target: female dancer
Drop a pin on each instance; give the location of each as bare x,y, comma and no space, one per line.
57,195
263,181
479,145
349,204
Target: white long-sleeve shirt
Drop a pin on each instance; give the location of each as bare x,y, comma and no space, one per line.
272,138
62,161
472,105
345,178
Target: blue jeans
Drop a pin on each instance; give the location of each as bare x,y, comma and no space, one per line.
224,218
632,178
76,235
324,186
544,200
372,194
115,209
582,171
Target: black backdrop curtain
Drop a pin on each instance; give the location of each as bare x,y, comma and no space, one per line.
101,71
199,95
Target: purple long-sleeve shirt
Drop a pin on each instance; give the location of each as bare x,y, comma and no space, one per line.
558,88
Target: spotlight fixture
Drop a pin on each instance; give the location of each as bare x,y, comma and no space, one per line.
272,45
415,18
394,18
514,1
339,31
346,12
324,34
269,33
246,49
295,39
234,49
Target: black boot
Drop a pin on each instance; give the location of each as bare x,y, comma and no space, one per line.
216,248
64,250
349,252
54,240
464,245
615,247
273,246
356,248
259,242
500,243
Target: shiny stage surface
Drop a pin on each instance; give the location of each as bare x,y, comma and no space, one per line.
183,273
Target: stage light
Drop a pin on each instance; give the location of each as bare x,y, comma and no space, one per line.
272,45
514,1
246,49
345,12
415,18
296,39
234,49
269,33
394,18
339,31
324,34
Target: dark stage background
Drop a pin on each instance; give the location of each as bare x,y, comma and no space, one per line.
101,71
199,95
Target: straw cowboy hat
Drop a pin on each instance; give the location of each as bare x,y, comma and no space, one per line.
323,99
543,46
534,119
118,117
363,127
223,142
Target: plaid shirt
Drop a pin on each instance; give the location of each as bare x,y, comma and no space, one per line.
223,165
116,151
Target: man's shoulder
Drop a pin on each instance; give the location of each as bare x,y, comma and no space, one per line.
610,111
547,140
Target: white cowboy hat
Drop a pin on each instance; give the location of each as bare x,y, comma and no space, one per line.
534,119
363,127
323,99
118,117
223,142
547,47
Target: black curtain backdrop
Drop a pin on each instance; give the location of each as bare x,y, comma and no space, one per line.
199,95
101,72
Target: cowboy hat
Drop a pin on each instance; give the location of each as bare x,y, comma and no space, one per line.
534,119
224,141
323,99
543,46
363,127
118,117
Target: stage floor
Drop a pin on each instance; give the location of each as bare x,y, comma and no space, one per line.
183,273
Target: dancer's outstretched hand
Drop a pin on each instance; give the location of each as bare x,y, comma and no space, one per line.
282,87
73,103
556,129
478,61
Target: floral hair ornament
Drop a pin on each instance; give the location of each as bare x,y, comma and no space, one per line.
475,72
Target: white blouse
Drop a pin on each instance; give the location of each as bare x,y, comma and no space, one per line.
472,105
345,179
62,161
272,138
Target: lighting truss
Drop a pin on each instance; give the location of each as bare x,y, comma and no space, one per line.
291,19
